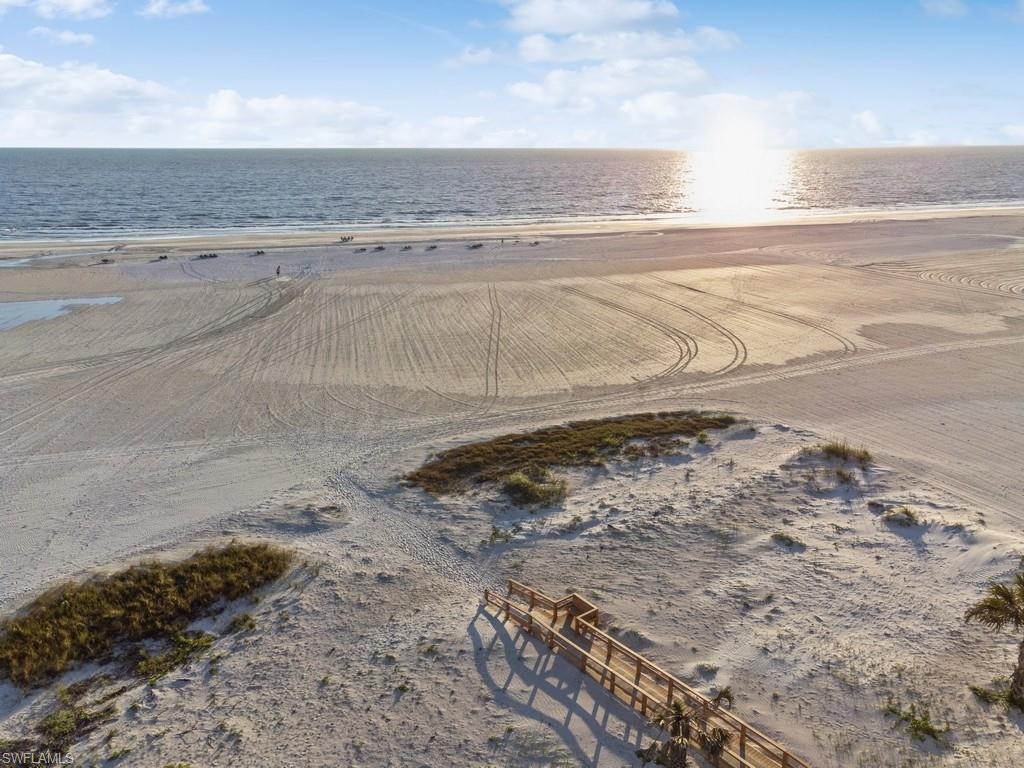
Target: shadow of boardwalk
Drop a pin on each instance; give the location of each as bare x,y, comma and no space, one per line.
528,679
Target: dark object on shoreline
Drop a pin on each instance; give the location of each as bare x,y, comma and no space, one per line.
359,250
431,247
207,256
106,261
260,253
535,242
162,257
379,248
474,246
406,247
346,239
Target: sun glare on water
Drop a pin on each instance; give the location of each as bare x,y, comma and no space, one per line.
736,179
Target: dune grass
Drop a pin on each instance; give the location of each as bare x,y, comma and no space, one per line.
577,444
535,486
918,722
85,621
841,450
904,517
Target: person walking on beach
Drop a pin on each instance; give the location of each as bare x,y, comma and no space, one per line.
278,270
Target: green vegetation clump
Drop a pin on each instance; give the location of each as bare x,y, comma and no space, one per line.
66,725
183,648
242,622
1001,608
577,444
535,486
84,621
999,693
918,722
841,450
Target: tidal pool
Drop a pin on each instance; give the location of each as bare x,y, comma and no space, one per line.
15,313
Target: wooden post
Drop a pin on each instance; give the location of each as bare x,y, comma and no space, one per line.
643,704
670,686
785,760
639,665
613,682
743,741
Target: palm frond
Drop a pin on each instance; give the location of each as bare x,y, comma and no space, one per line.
1002,606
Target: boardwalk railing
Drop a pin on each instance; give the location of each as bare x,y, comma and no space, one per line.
570,623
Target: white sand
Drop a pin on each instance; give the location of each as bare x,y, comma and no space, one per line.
217,400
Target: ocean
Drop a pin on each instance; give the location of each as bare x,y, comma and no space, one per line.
125,193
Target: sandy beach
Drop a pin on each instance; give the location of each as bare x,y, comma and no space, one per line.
217,399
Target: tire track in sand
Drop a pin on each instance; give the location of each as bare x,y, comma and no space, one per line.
685,344
847,343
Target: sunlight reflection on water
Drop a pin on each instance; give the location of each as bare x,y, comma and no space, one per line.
738,185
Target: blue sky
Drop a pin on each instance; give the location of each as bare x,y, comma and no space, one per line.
602,73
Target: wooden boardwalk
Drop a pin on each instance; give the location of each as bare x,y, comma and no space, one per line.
569,627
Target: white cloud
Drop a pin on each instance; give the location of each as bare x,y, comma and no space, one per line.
946,8
1014,132
868,122
79,9
71,87
584,88
622,44
718,120
78,104
471,55
563,17
167,9
63,36
229,118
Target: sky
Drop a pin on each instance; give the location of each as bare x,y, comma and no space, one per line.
711,74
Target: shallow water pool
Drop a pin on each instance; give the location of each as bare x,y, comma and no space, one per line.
15,313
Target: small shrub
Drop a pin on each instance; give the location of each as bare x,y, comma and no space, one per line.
702,437
498,536
845,476
841,450
786,539
999,693
917,721
904,517
66,725
184,647
242,622
536,486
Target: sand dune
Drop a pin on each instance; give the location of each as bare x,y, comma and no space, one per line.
215,394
